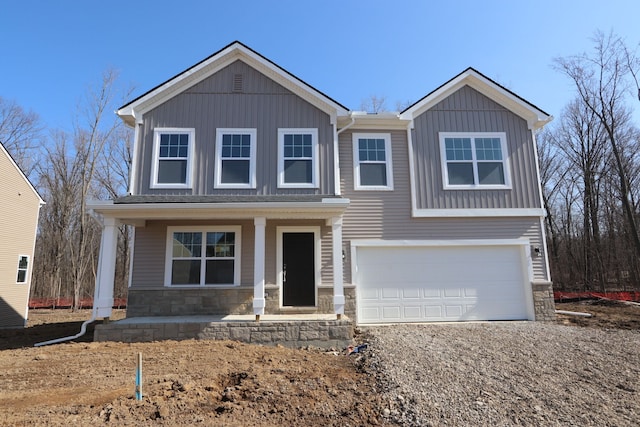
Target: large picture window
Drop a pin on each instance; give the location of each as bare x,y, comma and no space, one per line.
372,161
235,158
173,158
200,257
298,158
474,160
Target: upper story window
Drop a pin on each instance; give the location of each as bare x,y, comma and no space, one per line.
236,158
199,256
474,160
172,158
298,158
23,268
372,161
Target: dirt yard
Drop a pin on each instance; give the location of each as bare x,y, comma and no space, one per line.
197,382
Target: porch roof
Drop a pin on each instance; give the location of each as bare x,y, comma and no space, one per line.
134,209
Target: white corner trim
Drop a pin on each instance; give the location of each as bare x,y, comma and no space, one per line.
465,213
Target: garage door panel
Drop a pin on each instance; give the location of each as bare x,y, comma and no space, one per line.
413,284
411,293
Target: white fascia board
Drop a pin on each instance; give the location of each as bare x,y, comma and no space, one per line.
466,213
534,117
317,210
224,58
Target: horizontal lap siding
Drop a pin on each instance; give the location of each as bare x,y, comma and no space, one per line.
151,240
19,211
469,111
263,105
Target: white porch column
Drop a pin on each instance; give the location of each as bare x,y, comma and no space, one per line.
103,296
258,267
338,285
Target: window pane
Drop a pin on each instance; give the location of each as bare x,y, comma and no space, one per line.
458,148
22,276
172,172
220,245
235,172
185,272
24,261
490,173
187,245
297,171
373,174
219,272
488,149
460,173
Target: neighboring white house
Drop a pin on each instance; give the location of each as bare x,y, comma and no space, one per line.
19,209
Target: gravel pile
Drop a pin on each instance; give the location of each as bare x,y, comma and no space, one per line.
505,374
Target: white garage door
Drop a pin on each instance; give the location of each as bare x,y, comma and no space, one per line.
436,283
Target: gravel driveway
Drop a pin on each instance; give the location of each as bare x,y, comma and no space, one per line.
506,373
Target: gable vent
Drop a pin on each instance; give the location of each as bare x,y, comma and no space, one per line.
237,82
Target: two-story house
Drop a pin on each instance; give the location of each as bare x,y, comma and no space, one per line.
254,193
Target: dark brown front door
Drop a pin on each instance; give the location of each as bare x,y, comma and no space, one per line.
298,269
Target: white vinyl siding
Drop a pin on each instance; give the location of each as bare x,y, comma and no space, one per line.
172,165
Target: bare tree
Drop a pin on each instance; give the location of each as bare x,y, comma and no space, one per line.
374,104
20,133
602,82
90,162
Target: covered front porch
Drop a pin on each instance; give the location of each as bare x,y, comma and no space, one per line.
262,222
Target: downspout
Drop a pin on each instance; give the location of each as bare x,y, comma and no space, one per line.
336,147
94,313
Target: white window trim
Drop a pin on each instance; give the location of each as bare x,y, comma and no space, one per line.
505,160
156,157
26,273
388,162
252,159
168,264
314,159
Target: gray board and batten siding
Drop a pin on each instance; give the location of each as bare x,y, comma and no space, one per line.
467,110
225,100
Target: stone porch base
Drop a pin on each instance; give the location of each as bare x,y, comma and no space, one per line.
290,333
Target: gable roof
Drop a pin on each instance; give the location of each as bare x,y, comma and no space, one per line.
215,62
535,117
15,165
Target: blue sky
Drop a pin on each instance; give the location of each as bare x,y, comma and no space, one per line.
53,50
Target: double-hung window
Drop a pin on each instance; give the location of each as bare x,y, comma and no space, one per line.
23,268
236,158
298,158
474,160
203,256
172,158
372,161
